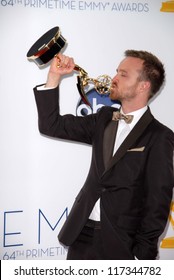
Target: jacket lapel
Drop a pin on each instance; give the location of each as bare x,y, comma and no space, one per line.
98,142
132,137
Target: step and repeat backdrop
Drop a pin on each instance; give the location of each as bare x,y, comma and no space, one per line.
39,176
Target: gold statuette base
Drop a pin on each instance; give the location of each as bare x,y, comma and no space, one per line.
167,6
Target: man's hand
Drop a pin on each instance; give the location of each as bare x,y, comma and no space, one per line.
60,65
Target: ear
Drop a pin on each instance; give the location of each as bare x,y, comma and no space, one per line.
144,86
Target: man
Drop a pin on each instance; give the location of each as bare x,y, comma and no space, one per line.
123,207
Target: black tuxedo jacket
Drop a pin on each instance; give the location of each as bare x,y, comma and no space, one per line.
135,188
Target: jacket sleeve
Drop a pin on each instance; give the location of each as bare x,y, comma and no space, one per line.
158,186
68,127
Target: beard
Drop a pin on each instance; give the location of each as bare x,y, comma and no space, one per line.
123,93
114,92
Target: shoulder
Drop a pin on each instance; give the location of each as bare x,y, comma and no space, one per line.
162,132
161,127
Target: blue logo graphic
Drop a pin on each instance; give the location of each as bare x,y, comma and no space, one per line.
97,101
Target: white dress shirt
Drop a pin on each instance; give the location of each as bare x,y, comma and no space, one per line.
122,132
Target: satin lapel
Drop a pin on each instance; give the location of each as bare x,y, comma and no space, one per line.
98,143
132,137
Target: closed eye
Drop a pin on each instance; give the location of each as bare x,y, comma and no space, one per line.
122,73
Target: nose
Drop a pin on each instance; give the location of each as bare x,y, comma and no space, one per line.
115,78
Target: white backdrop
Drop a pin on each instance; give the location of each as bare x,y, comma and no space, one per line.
40,177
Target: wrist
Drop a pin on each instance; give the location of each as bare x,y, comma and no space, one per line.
52,80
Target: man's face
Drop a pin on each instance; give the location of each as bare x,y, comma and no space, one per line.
125,84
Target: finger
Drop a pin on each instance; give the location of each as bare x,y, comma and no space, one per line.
60,61
65,62
57,60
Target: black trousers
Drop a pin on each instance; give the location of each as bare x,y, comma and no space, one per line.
88,245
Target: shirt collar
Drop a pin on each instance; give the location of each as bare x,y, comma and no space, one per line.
137,115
